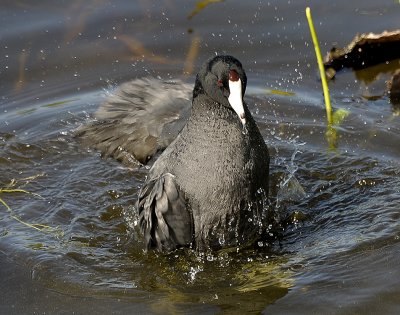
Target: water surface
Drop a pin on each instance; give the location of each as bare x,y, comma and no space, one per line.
339,250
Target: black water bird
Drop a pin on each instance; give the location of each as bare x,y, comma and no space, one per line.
207,188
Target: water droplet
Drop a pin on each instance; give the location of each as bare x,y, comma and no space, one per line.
245,130
221,239
193,272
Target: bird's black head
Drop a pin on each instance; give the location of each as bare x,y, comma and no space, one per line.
223,79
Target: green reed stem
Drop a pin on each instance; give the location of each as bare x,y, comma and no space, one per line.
321,68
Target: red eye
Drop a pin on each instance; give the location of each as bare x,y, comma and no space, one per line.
219,83
233,75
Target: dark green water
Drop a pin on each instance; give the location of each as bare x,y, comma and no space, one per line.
58,62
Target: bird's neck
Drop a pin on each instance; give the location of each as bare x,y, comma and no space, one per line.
209,112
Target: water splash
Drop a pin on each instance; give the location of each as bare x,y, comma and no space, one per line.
193,271
221,239
110,89
289,188
245,130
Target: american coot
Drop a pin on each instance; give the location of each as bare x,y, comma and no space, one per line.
206,190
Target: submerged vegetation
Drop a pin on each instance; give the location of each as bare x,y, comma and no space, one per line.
200,5
13,188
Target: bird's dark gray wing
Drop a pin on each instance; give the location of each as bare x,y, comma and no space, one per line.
141,117
164,218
